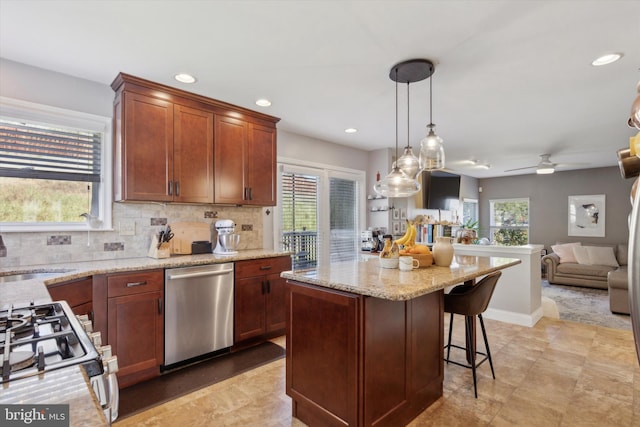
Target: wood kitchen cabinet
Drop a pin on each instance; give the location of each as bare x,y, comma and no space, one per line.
164,141
259,305
245,163
165,151
77,293
135,323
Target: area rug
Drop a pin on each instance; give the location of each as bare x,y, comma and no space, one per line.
585,305
179,382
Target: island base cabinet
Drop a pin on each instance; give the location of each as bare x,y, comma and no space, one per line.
354,360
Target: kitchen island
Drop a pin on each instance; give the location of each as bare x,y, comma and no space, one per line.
364,344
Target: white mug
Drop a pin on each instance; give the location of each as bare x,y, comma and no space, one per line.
408,263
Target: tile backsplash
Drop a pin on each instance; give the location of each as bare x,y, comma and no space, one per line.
25,249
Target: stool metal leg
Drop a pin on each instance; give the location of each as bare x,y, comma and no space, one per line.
486,344
450,332
471,350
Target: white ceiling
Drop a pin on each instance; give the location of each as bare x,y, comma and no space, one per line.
513,79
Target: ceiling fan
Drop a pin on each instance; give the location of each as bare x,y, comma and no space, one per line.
545,166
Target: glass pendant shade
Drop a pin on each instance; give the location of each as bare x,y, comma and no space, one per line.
431,151
397,184
409,163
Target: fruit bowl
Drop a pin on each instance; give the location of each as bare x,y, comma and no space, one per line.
425,259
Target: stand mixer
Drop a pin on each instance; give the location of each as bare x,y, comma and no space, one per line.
227,240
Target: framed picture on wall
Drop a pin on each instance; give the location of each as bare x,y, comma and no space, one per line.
403,214
587,215
403,226
396,214
396,227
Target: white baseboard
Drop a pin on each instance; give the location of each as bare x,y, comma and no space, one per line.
512,317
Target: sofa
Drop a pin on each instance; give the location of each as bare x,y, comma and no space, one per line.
595,266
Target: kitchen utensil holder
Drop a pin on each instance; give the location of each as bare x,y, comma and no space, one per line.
159,252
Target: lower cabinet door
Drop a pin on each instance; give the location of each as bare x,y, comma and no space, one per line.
276,311
136,334
249,308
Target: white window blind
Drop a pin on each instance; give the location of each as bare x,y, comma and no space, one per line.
31,150
343,219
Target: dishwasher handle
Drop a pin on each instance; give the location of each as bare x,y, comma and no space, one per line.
199,274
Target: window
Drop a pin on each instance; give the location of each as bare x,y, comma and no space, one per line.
319,214
509,221
52,168
299,205
469,210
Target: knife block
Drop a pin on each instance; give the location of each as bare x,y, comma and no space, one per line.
162,252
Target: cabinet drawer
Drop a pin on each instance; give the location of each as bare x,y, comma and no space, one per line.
77,292
135,283
259,267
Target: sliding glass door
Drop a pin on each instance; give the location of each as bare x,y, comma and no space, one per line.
319,214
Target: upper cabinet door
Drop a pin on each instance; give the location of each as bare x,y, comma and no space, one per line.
146,148
261,161
229,160
192,155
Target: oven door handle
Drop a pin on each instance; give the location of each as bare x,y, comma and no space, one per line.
199,274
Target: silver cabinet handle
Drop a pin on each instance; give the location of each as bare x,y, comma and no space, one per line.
159,305
171,188
177,188
199,274
133,284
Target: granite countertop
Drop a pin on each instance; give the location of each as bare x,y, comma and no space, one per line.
63,386
24,291
364,276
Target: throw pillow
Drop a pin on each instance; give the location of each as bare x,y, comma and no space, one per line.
565,251
602,255
582,255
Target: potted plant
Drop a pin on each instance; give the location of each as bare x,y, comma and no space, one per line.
469,232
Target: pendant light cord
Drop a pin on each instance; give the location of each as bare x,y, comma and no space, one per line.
431,99
408,146
396,114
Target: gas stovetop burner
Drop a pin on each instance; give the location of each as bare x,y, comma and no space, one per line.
37,338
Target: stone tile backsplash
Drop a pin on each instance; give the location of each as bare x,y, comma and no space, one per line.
24,249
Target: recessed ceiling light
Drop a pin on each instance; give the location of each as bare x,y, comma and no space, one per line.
351,130
606,59
185,78
263,102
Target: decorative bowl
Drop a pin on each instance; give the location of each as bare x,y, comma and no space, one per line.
389,262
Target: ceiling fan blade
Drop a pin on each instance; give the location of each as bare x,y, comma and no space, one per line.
519,169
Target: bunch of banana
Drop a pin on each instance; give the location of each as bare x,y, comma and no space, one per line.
409,238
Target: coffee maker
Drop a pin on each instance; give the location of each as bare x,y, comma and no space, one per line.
226,240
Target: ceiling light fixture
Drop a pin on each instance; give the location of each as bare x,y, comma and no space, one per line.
185,78
545,170
398,183
350,130
263,102
606,59
431,147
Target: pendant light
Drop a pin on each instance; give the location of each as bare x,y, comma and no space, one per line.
408,162
431,147
397,183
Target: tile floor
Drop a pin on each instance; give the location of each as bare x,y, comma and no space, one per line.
558,373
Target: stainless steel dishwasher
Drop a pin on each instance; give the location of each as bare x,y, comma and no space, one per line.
199,311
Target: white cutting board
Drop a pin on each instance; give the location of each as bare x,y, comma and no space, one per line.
184,233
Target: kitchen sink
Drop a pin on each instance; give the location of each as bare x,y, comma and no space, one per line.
26,276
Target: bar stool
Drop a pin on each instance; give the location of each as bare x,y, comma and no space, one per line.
470,301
